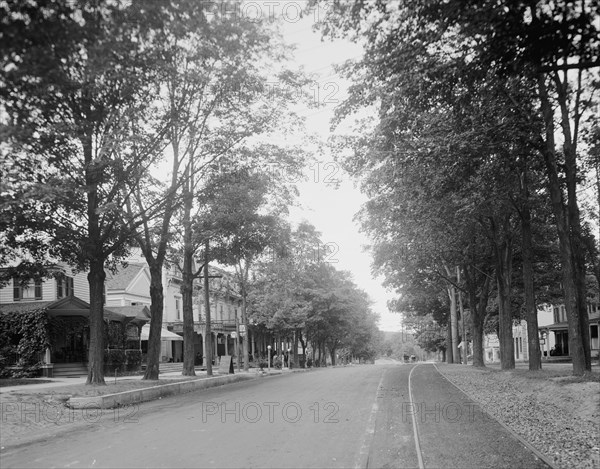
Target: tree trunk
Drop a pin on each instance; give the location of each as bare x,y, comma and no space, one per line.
295,351
187,286
303,343
478,311
503,277
187,292
465,342
156,315
95,255
449,353
574,223
319,347
453,324
332,354
571,274
96,278
533,342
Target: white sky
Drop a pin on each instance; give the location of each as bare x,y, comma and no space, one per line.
330,209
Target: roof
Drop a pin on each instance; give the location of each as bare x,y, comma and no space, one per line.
559,326
123,277
70,306
24,306
137,314
131,311
164,334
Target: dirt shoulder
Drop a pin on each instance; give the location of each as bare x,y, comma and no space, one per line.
555,412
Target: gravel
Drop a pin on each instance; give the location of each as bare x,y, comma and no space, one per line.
556,413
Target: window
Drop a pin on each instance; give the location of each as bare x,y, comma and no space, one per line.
64,287
178,308
556,315
594,337
27,291
563,314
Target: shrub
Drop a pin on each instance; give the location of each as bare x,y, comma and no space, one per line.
133,359
114,359
25,337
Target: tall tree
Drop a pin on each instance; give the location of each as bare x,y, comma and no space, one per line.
243,212
503,47
213,87
74,80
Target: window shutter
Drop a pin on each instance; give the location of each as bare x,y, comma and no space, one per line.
58,288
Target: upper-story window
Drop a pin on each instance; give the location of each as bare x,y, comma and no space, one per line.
27,291
178,308
64,287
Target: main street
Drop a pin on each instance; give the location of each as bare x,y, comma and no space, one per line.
355,416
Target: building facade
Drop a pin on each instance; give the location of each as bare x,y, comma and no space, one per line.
61,300
130,285
554,330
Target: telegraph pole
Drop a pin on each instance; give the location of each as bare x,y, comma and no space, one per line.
208,338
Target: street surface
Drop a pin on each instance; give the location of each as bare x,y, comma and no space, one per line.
347,417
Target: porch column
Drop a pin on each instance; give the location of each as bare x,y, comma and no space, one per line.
204,353
48,366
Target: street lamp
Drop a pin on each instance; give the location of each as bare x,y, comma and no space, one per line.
269,357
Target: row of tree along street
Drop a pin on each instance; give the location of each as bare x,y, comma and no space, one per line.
143,124
480,159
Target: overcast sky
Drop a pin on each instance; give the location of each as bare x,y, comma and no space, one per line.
331,209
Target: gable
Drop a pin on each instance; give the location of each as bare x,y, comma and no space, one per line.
140,285
130,279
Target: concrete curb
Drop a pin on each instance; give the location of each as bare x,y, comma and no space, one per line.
110,401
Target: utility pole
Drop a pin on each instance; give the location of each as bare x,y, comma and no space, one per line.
208,338
237,342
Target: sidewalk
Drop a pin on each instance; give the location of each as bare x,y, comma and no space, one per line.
57,382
